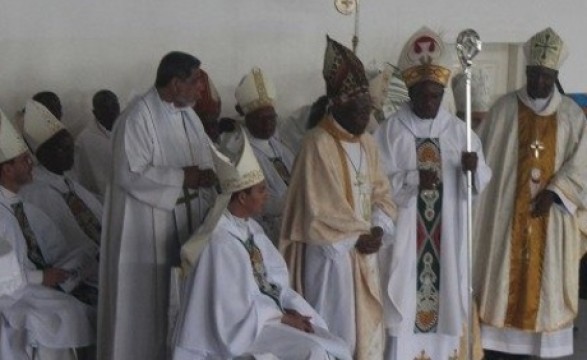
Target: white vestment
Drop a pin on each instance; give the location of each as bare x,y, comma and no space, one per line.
147,219
266,151
328,275
225,315
46,192
93,158
33,315
558,303
396,138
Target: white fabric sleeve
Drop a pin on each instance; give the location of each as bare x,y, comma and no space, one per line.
340,248
565,204
34,277
381,219
157,186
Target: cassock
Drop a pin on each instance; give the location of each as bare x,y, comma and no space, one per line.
338,192
93,158
76,212
234,300
276,161
425,274
526,268
34,315
149,215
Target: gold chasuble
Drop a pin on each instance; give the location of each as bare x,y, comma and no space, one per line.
536,156
320,210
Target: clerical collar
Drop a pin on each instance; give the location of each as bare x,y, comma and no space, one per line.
242,225
338,132
7,194
542,107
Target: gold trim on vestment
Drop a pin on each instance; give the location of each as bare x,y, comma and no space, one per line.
529,234
429,72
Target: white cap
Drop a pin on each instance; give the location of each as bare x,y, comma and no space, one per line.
39,124
423,58
480,90
255,91
546,49
11,142
234,175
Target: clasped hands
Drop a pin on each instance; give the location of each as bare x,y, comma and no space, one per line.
370,243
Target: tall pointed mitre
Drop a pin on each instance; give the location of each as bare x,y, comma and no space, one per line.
422,59
480,90
255,91
39,125
11,142
343,72
546,49
234,175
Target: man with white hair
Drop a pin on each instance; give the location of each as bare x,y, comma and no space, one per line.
256,97
528,243
39,319
480,95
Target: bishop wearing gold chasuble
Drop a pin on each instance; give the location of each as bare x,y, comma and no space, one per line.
528,238
338,211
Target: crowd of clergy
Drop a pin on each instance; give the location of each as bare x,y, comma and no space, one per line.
165,231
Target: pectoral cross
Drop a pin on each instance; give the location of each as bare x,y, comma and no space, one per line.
537,146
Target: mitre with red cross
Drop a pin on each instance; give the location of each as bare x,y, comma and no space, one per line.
422,59
545,49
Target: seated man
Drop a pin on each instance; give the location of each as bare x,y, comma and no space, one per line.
93,147
36,269
256,95
237,300
75,211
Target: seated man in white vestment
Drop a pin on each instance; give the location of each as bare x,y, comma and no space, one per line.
527,225
423,149
93,147
161,188
339,213
38,319
74,209
256,95
237,300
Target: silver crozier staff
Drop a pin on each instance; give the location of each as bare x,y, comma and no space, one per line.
468,46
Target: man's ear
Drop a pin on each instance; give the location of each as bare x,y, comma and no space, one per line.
241,197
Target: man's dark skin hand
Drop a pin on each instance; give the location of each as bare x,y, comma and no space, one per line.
469,161
542,203
195,178
370,243
297,320
54,276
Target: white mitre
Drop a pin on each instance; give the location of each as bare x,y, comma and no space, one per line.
11,142
480,90
233,175
39,125
255,91
546,49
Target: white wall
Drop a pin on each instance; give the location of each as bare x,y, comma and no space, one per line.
75,47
